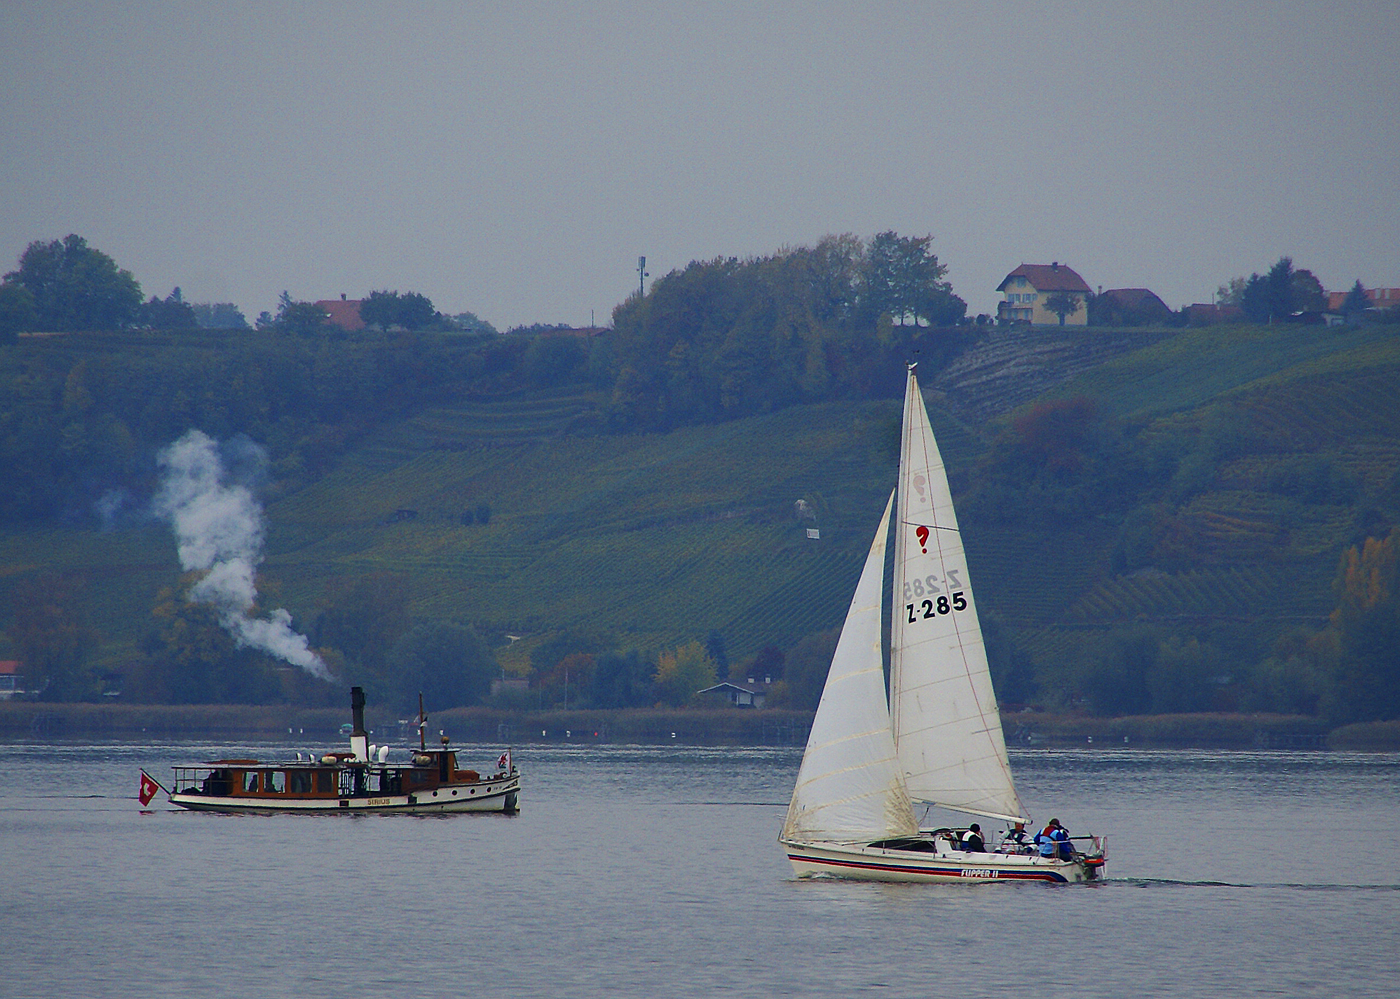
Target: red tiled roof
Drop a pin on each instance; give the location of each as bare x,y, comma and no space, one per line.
1047,278
342,313
1381,298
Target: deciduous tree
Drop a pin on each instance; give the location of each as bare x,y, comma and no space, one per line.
51,632
1367,622
682,671
75,287
1063,304
447,663
363,616
192,658
410,310
622,680
169,313
904,279
17,312
219,316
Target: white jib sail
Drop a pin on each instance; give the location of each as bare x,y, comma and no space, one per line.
947,729
848,787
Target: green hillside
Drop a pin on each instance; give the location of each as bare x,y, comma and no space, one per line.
1287,449
658,537
1275,447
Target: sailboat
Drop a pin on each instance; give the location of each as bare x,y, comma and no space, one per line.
935,739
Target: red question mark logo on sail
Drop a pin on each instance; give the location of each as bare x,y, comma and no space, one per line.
922,534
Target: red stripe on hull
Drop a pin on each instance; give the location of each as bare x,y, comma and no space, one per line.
1000,874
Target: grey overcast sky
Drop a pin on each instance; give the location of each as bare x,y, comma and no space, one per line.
514,159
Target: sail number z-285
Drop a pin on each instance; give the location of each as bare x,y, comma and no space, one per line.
929,600
936,606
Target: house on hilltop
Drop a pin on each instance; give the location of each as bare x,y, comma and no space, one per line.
1129,307
343,313
1029,286
1208,314
1381,298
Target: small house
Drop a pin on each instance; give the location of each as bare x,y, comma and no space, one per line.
1208,314
343,312
1030,286
1130,307
11,680
745,695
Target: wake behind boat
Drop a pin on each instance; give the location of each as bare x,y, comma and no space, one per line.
345,782
935,739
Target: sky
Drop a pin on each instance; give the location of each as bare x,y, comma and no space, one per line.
514,160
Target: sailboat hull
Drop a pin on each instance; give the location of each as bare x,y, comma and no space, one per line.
873,863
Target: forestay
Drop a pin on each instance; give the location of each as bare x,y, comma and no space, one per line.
849,787
947,731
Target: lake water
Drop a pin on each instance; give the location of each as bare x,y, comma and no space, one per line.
635,871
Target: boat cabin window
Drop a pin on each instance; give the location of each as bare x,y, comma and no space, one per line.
325,782
300,781
250,782
275,781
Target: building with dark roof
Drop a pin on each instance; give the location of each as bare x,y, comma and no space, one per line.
1130,307
1027,288
1208,314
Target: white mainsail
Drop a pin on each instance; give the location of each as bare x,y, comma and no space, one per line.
849,786
947,730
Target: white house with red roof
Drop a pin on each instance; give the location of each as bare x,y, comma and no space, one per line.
1381,298
1027,288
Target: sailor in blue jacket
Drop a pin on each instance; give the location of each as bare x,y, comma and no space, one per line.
1054,840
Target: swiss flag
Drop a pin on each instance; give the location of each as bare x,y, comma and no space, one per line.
148,788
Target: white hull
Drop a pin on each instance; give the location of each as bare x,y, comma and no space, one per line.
486,796
864,862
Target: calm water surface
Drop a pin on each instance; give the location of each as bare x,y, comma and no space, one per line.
656,872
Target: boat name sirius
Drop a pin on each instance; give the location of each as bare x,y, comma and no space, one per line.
345,782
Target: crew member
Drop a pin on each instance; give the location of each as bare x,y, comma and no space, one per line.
1053,841
972,840
1016,840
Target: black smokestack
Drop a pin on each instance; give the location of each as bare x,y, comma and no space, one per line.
357,709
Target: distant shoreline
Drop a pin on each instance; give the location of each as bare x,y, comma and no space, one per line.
32,721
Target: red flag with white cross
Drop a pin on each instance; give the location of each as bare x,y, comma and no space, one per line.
149,787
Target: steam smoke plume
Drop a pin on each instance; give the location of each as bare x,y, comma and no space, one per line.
219,528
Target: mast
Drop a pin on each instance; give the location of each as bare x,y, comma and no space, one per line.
947,729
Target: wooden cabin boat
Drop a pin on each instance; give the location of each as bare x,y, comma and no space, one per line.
349,782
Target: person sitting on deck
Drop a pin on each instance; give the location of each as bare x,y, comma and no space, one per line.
972,840
1053,841
1016,840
